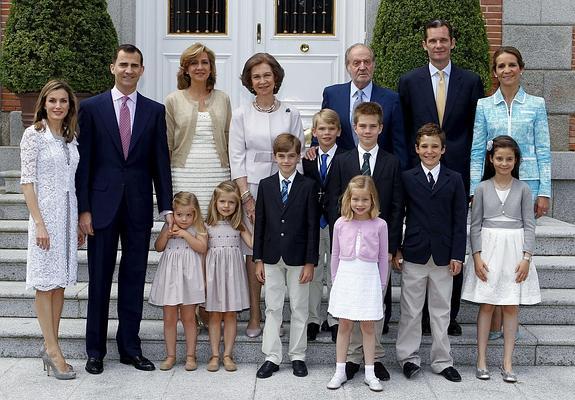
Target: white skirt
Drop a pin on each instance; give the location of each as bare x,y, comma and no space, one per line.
356,292
502,250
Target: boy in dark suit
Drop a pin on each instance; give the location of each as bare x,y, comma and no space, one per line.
433,250
368,158
326,128
286,236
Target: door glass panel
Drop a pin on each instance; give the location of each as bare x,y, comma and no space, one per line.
197,17
305,17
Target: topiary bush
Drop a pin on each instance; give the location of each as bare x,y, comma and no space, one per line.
70,40
398,34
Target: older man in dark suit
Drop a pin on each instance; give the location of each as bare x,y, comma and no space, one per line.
442,93
123,149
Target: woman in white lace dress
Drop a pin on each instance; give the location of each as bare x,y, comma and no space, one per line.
49,157
198,120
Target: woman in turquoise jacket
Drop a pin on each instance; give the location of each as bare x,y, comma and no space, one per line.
511,111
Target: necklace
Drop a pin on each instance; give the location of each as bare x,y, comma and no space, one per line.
503,187
270,109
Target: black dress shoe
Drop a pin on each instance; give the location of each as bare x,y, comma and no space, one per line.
299,368
325,326
334,329
351,369
312,331
267,369
425,328
451,374
385,329
380,371
454,328
139,362
410,370
94,365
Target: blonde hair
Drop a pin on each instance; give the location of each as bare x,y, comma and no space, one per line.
192,52
360,182
226,187
327,116
185,199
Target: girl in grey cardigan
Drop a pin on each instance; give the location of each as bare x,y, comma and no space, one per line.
502,243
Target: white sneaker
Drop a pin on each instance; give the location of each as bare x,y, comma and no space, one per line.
336,381
374,384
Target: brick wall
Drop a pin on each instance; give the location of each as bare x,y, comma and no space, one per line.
572,116
492,14
9,101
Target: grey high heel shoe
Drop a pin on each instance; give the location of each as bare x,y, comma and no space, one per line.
482,374
43,351
49,363
508,377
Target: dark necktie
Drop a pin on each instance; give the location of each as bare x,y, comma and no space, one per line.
285,184
431,180
365,168
125,128
323,174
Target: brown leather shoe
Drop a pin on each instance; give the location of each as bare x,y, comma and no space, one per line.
229,364
213,364
191,363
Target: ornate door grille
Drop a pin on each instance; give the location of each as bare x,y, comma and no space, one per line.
304,17
197,17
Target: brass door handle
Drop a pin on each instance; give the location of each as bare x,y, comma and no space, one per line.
259,33
304,47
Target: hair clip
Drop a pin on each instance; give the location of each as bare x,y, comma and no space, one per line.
489,145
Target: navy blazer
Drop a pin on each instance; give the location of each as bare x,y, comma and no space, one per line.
311,170
104,177
289,231
436,220
387,179
419,108
392,139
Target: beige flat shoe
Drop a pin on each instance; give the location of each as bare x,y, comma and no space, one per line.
229,364
213,364
191,363
168,363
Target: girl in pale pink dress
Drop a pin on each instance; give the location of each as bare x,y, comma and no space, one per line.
179,281
226,277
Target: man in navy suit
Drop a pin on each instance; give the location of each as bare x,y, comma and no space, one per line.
344,97
123,149
433,249
457,92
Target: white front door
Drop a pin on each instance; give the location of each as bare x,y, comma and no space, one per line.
307,37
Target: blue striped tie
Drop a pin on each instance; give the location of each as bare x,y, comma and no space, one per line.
285,184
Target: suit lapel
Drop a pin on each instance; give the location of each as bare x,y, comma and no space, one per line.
380,162
441,179
427,92
141,117
422,178
452,92
338,151
111,122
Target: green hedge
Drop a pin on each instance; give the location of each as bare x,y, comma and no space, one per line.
70,40
398,34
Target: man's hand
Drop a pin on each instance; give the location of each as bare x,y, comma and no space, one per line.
169,217
85,223
454,267
397,261
260,272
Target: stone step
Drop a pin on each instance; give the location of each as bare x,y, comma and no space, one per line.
553,237
536,345
557,306
9,158
555,272
14,234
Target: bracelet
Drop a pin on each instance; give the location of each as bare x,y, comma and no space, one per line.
246,194
247,198
527,258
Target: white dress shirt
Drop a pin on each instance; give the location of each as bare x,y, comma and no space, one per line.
372,159
433,72
131,103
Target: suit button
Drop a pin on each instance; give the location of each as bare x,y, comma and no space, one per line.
283,221
281,234
502,212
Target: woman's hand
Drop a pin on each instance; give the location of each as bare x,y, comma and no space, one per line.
42,238
522,271
481,269
81,237
541,206
250,209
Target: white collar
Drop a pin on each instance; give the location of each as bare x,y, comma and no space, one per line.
116,95
366,90
433,70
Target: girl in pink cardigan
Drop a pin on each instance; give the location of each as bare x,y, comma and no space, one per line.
359,267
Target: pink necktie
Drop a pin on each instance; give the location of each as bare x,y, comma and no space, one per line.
125,129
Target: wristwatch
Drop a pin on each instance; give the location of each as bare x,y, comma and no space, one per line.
527,257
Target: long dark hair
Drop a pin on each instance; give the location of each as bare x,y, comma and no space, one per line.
501,142
71,119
